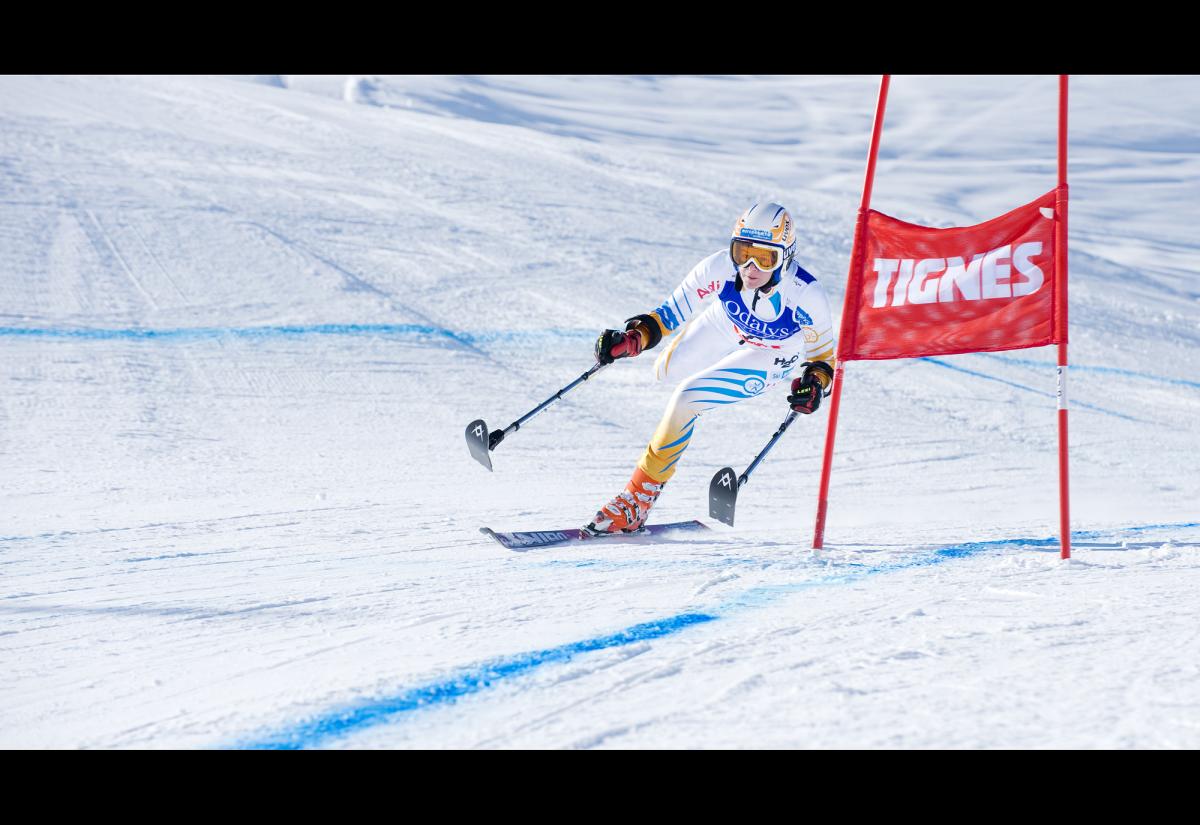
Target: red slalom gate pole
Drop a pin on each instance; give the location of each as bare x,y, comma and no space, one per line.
827,466
860,229
1060,266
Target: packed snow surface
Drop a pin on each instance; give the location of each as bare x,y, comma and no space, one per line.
244,322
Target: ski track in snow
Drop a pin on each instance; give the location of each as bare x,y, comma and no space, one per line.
244,323
342,722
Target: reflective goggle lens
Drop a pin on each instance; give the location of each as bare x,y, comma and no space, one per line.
767,257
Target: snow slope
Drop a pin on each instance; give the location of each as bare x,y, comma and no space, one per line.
243,322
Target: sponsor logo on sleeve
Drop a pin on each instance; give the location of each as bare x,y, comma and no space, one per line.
667,316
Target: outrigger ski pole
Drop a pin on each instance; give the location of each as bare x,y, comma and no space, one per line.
723,489
481,442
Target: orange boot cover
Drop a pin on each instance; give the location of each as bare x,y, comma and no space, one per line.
628,511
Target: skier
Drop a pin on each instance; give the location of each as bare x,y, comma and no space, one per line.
754,315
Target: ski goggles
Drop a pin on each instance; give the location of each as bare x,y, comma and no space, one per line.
767,257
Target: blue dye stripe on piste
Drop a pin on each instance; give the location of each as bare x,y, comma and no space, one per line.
329,726
470,339
1033,390
283,331
760,596
479,336
322,729
194,333
1095,534
1029,362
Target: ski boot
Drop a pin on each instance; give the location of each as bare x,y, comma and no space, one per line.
628,511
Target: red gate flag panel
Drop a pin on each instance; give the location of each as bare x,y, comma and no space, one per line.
921,291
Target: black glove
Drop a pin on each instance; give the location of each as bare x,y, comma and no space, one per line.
809,389
613,344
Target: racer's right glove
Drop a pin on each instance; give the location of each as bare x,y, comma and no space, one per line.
642,332
613,344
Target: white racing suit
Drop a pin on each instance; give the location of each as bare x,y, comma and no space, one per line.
729,345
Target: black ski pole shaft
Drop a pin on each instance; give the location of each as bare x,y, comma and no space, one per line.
516,425
481,442
723,490
787,422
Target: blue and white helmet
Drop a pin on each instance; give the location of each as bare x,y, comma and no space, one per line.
766,235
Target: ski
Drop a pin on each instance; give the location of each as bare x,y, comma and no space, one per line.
538,539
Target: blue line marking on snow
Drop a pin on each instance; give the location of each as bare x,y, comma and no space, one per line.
472,680
186,334
1092,534
1043,393
1029,362
201,333
761,596
321,729
485,336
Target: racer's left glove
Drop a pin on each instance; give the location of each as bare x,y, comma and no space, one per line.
811,387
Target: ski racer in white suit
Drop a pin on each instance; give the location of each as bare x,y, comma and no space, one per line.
744,319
